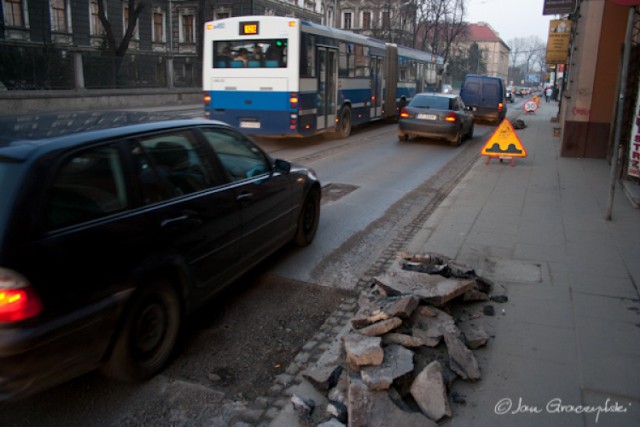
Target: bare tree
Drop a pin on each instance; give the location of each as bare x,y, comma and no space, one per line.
441,23
525,54
119,46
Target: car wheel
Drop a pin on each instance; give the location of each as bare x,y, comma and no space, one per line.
148,336
456,142
470,134
344,122
403,137
309,218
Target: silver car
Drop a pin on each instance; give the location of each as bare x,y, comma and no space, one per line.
438,116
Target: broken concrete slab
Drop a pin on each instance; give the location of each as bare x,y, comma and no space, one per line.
475,336
430,328
434,289
461,359
377,309
361,350
369,408
430,393
402,339
382,327
398,361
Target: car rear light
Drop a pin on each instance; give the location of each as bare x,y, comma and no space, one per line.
293,101
451,117
405,113
500,106
207,100
18,300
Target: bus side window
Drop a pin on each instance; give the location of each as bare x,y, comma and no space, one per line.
271,63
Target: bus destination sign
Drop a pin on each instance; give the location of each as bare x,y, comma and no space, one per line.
249,28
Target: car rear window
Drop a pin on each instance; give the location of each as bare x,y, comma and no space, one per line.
435,102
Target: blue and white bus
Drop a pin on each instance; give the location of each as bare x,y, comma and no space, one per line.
279,76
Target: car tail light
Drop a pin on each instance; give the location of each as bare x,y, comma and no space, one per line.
405,113
500,106
451,117
207,100
293,101
18,300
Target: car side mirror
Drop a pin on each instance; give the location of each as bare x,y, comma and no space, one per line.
282,166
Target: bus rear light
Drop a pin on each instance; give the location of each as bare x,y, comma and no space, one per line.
293,101
207,100
18,300
451,117
292,23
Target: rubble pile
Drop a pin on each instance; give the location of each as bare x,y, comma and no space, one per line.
396,364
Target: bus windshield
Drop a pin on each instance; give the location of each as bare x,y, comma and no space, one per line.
266,53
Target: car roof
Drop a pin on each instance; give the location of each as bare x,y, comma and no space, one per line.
20,136
438,95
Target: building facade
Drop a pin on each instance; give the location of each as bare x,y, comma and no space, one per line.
62,44
495,52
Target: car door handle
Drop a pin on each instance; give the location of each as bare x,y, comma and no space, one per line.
244,197
173,221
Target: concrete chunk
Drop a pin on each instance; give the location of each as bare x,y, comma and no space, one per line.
430,393
461,359
361,350
376,409
381,328
435,289
398,361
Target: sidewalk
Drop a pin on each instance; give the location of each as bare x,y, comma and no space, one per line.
570,332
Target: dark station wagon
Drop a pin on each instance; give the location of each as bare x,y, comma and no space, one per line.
110,237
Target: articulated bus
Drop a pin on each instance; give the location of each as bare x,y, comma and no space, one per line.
279,76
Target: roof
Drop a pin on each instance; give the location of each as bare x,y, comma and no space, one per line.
481,32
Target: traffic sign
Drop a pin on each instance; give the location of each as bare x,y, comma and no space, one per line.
530,106
504,143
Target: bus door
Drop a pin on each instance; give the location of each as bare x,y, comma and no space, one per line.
377,78
327,87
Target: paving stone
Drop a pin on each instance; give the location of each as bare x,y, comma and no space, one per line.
398,361
361,350
461,359
430,393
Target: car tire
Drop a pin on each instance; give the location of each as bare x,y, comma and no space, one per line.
403,137
149,334
308,220
456,142
470,133
344,122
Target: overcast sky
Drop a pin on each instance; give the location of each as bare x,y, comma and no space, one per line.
511,18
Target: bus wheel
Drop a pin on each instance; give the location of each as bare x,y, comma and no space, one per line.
344,123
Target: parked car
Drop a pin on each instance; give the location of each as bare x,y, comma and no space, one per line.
485,96
438,116
110,237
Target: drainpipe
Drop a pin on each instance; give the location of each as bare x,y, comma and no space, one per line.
621,89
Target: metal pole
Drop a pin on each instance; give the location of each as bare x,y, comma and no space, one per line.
621,90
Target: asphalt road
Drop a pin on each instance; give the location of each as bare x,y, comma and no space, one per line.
375,188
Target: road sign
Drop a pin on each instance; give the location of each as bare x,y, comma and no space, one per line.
504,144
530,106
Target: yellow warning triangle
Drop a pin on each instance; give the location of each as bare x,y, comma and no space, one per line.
504,143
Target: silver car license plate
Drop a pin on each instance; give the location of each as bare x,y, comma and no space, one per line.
422,116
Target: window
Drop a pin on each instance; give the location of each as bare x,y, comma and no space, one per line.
187,29
88,186
240,158
127,18
59,21
366,20
346,22
158,27
307,56
96,25
386,19
14,14
346,67
363,61
171,165
267,53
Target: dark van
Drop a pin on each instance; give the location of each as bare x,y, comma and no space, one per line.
485,96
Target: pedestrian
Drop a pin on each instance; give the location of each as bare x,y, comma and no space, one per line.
547,93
